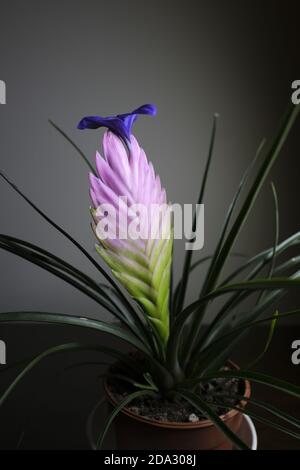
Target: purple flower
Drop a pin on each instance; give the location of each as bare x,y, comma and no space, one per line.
120,124
132,176
130,218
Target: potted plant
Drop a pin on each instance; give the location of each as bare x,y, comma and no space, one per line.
176,388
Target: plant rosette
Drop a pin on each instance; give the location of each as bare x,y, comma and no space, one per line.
136,430
182,351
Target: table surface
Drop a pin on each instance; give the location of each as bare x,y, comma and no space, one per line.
49,408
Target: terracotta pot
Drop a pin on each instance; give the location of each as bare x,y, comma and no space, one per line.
134,432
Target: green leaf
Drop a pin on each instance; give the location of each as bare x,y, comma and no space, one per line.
250,316
193,336
257,284
268,162
188,255
90,421
51,267
103,295
53,259
240,296
251,324
207,258
263,258
268,343
84,364
265,406
219,322
117,410
140,320
220,349
196,265
276,238
49,259
82,155
263,420
63,319
58,349
264,379
68,236
109,297
270,423
161,372
265,168
276,412
230,212
206,409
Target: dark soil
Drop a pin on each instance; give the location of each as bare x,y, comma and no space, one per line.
179,411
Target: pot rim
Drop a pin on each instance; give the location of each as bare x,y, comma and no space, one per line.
172,425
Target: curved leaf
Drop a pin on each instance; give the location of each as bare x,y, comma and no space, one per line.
61,132
44,263
195,323
117,410
239,297
264,257
205,408
263,420
257,284
56,350
265,406
90,420
63,319
264,379
189,253
266,166
106,295
230,211
196,265
268,342
268,162
67,235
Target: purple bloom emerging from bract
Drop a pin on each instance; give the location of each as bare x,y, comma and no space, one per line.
120,124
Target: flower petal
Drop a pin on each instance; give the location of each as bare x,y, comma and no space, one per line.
120,124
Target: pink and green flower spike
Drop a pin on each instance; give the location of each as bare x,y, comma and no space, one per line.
141,263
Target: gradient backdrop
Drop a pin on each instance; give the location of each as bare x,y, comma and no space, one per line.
66,59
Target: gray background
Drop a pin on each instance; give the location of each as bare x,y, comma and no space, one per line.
66,59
